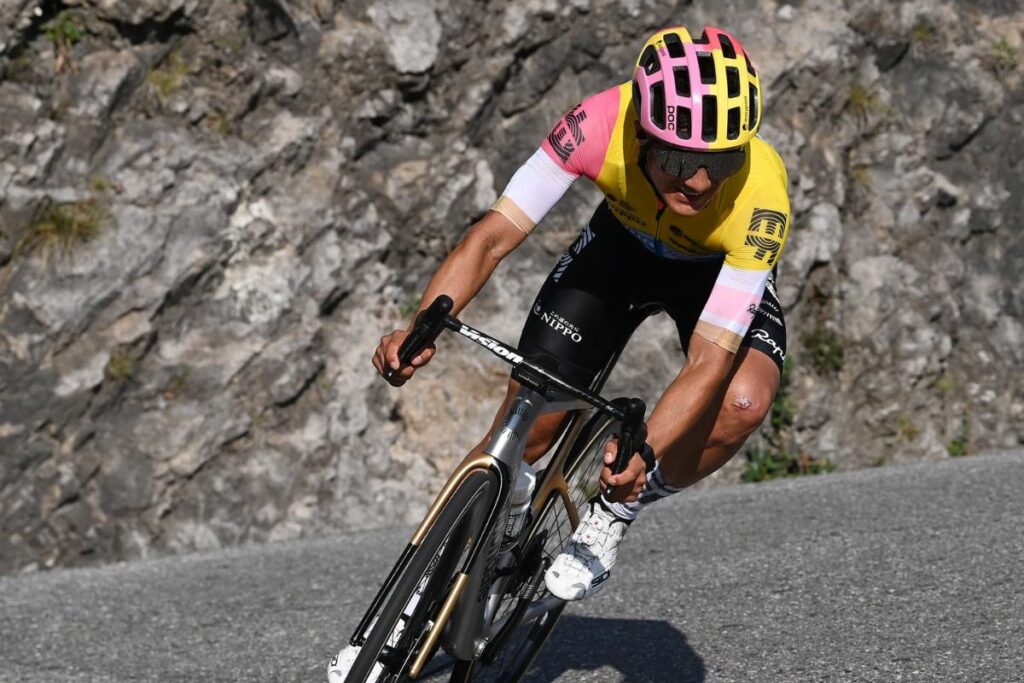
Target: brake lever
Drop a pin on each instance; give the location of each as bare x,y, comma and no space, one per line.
632,438
429,324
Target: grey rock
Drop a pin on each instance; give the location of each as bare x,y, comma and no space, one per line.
103,78
140,11
126,482
281,79
15,18
815,240
412,30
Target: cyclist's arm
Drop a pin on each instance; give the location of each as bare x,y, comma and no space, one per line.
684,413
469,265
461,275
575,147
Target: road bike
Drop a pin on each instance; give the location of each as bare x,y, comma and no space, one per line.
470,582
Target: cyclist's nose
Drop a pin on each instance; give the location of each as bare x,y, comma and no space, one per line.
699,182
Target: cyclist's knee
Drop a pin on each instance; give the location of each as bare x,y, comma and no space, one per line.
742,412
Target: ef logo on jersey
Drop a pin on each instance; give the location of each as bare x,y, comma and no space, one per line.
568,135
766,233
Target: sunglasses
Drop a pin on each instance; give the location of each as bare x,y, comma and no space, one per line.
683,163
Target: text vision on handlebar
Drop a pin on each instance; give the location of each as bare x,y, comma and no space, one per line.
490,344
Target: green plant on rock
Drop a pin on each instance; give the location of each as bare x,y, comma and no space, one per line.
783,411
945,384
233,42
960,444
824,350
61,227
218,122
861,177
176,386
764,464
774,458
1002,57
906,430
923,32
169,78
862,102
408,305
63,32
101,185
120,367
767,464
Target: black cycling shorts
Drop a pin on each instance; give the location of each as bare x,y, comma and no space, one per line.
587,307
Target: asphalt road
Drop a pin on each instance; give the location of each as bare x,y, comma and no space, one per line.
894,574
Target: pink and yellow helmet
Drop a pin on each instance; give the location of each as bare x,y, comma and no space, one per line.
700,94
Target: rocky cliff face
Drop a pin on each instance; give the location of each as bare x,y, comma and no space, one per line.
211,211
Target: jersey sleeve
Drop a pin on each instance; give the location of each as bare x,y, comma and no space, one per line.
533,190
756,239
576,146
731,307
579,141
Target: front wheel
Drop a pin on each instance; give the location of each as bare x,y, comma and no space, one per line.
407,616
528,613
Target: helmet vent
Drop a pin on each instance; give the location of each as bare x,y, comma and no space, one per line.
750,67
706,63
649,60
658,105
684,123
710,104
728,51
732,79
682,76
734,123
754,105
674,45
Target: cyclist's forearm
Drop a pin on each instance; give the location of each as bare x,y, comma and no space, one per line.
468,267
461,276
685,413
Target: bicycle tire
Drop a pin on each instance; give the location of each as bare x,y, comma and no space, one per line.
512,657
436,562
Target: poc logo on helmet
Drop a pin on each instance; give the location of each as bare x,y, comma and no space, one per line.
670,118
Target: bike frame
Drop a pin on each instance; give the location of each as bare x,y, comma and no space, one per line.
469,621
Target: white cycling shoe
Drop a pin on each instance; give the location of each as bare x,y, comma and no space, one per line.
341,664
338,670
582,569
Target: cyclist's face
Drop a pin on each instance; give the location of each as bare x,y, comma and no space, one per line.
686,197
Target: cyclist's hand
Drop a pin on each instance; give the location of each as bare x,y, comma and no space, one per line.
625,486
386,356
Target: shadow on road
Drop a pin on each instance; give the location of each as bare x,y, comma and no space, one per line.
642,651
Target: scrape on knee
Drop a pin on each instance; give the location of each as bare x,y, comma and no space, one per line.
742,402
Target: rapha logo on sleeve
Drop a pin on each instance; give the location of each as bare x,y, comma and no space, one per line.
558,323
764,336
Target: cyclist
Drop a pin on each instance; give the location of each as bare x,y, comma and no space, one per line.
694,220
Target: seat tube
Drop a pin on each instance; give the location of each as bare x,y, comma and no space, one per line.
508,443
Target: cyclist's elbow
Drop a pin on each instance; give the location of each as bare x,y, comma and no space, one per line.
494,237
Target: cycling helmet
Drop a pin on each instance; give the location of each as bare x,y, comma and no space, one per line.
699,94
